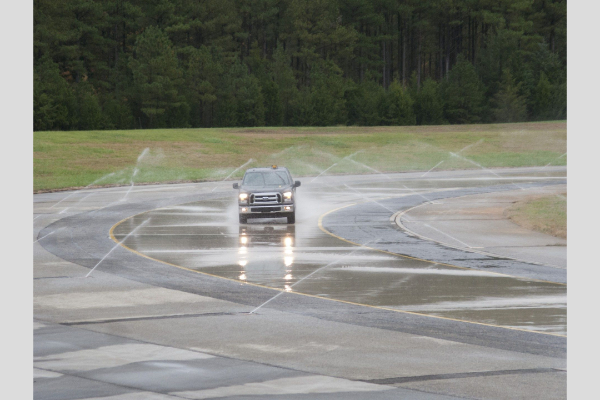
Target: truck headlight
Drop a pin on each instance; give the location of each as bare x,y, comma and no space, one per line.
243,196
287,195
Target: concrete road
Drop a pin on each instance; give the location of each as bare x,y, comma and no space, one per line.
478,223
158,292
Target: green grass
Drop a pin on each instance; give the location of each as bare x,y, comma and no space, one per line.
77,159
546,214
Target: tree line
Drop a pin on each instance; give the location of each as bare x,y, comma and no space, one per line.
123,64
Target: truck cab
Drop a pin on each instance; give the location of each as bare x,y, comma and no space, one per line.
267,193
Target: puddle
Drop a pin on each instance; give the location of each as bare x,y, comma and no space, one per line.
206,236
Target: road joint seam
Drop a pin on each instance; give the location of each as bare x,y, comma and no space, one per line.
461,375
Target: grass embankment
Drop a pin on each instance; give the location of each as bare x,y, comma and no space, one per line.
78,159
545,214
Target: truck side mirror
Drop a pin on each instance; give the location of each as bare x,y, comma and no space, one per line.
297,184
236,186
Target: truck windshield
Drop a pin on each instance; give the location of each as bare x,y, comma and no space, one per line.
267,178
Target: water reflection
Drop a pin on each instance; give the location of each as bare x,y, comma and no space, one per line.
274,241
280,256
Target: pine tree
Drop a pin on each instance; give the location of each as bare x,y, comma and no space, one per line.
250,101
89,113
362,103
550,101
302,108
542,98
54,103
283,75
327,95
240,102
464,94
272,101
156,75
429,104
168,62
397,106
509,105
202,77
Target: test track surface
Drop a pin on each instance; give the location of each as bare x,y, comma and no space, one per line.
361,223
84,240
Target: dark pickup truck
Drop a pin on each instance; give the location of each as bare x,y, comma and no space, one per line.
267,193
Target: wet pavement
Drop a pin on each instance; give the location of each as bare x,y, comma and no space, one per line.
330,319
480,223
302,258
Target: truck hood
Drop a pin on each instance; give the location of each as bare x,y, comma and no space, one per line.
265,189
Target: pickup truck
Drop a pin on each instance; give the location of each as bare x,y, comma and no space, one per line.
267,193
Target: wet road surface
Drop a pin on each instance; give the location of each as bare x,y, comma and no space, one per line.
205,236
113,322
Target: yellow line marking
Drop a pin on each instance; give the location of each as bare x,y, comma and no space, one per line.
112,236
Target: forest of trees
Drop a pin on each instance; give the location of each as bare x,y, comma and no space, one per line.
123,64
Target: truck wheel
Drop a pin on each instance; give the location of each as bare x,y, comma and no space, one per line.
291,219
243,219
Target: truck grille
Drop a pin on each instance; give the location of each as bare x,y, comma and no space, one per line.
265,198
265,209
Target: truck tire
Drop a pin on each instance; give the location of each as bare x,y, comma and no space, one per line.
292,218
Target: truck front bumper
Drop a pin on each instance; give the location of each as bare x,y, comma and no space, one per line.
267,211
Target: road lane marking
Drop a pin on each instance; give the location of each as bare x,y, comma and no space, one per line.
120,243
397,219
420,259
117,245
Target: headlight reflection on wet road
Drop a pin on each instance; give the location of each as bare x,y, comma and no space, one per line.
275,254
256,240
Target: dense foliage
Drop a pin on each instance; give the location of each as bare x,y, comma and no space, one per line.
119,64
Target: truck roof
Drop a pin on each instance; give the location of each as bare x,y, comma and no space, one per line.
263,169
